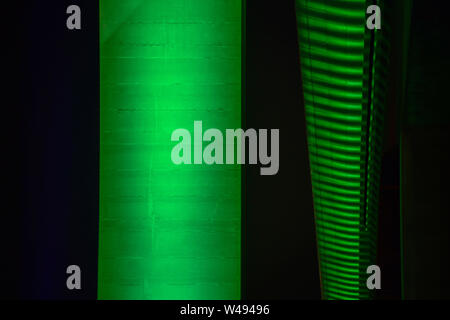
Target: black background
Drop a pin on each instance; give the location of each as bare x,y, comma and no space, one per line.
50,113
280,260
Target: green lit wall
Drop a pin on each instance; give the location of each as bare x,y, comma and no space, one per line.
342,73
167,231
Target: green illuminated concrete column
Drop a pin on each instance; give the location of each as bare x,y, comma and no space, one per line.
341,63
167,231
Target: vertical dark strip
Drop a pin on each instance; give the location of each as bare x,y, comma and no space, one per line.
425,157
55,142
389,230
13,97
243,171
280,257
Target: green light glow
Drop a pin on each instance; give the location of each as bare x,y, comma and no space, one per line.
167,231
343,93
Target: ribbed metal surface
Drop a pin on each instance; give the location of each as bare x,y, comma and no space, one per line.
344,117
